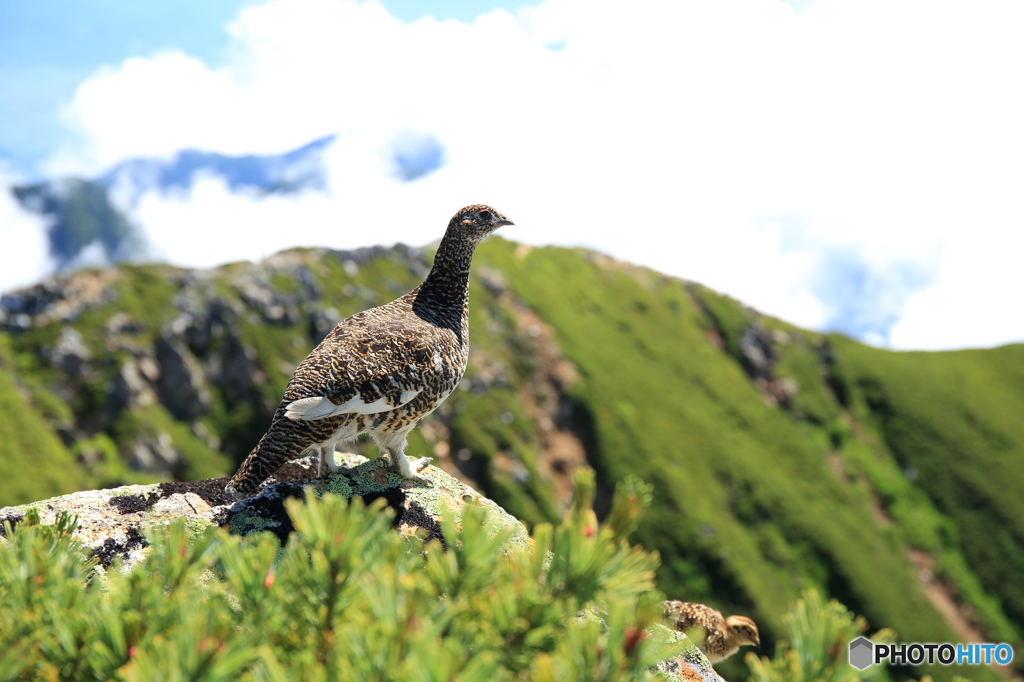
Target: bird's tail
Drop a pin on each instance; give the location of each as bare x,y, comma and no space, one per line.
266,458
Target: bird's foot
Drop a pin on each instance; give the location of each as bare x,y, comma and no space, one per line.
408,469
346,471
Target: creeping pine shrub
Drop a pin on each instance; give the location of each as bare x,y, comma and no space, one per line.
346,598
816,649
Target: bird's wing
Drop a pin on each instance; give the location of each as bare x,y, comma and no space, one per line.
364,369
321,407
685,616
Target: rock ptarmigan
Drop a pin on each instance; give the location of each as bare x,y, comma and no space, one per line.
721,636
379,371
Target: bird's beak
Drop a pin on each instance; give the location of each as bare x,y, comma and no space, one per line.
757,643
505,221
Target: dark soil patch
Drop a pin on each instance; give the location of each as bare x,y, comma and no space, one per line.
414,515
128,504
111,548
13,519
293,471
270,508
210,489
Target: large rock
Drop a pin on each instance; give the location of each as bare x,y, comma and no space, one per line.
114,522
181,385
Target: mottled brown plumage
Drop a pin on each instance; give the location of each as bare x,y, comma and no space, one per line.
381,370
721,637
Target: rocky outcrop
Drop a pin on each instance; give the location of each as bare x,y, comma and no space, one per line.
115,522
180,383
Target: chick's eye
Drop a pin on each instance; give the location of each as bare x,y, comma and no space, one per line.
485,215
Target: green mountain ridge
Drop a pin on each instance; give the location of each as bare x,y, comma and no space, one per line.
781,459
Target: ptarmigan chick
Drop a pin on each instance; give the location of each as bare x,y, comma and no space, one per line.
381,370
722,637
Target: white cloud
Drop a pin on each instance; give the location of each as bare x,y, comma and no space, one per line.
977,299
24,247
672,134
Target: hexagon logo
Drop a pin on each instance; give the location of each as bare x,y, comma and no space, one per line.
861,653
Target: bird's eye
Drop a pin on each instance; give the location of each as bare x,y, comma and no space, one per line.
485,215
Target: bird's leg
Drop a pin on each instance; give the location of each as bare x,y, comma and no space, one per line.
327,466
325,461
394,444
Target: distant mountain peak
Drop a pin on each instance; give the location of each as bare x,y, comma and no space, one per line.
89,227
294,171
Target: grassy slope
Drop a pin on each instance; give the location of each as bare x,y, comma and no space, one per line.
954,420
748,508
34,464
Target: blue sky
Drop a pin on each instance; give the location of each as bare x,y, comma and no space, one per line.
48,48
842,164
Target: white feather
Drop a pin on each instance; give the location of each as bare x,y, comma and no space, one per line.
319,407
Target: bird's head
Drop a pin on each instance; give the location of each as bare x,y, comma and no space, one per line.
476,222
745,629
